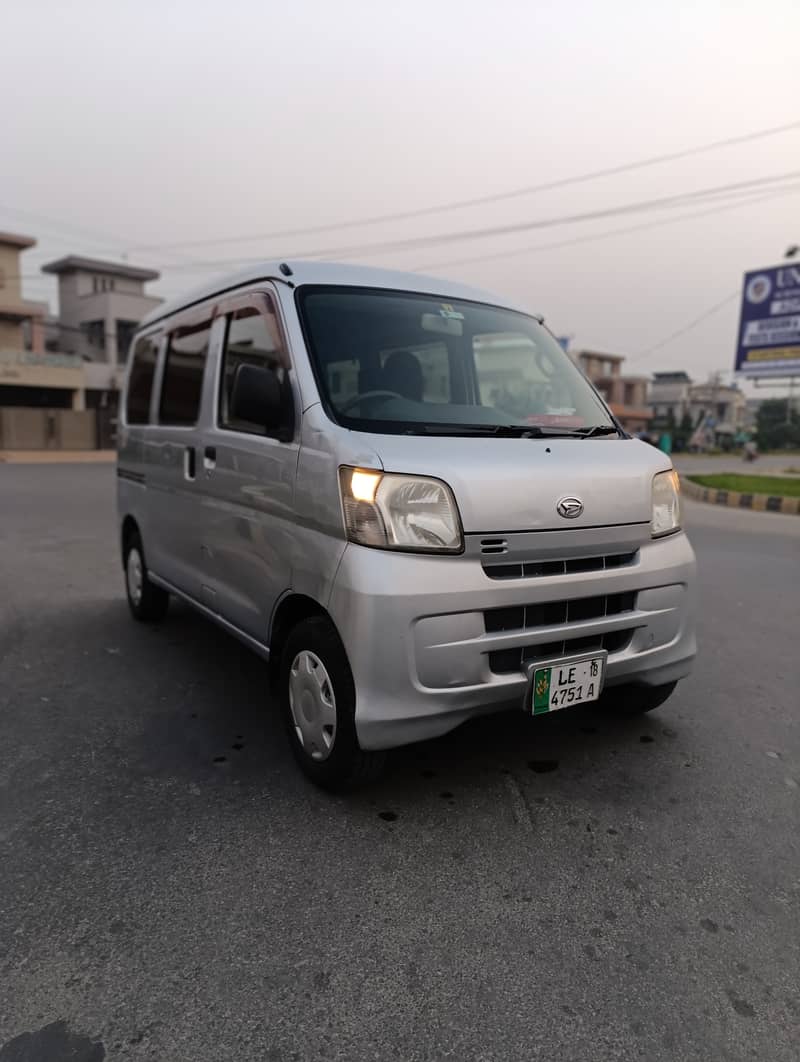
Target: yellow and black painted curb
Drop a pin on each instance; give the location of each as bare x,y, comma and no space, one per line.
734,499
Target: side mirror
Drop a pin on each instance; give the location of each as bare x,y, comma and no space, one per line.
258,397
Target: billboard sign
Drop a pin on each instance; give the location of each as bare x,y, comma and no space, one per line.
769,323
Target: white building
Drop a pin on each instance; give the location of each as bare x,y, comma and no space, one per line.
670,393
100,304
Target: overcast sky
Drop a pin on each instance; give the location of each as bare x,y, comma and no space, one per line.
134,124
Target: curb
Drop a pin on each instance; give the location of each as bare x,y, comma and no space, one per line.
57,457
734,499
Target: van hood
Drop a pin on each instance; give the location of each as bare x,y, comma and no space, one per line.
516,484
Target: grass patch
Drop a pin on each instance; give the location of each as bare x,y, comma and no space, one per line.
787,488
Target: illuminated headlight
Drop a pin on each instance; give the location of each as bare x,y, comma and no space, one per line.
399,512
666,504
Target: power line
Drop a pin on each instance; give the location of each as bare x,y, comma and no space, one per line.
94,235
687,327
497,197
746,200
118,243
502,230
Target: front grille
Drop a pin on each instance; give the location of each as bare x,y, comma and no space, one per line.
556,613
505,661
534,569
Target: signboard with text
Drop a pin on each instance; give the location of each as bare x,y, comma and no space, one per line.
769,323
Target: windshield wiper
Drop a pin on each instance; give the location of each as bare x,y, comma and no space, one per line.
595,430
514,431
522,431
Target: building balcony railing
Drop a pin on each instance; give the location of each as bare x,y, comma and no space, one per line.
44,361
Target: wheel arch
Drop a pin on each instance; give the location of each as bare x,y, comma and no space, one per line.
290,610
129,528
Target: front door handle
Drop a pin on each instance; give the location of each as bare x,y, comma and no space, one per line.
210,458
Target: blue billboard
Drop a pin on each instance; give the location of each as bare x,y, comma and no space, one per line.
769,323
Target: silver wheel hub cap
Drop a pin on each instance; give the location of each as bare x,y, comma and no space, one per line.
134,572
313,705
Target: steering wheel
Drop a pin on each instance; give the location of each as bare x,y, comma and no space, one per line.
367,394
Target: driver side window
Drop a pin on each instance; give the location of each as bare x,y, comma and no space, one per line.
251,338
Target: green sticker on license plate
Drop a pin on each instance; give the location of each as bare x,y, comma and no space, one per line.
541,691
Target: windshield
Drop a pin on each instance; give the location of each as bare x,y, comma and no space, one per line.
396,362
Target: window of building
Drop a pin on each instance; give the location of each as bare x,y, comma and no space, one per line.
95,332
140,380
125,331
182,386
630,394
252,338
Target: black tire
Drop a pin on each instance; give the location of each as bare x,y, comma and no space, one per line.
635,700
344,765
148,603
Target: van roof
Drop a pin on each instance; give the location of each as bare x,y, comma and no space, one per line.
327,273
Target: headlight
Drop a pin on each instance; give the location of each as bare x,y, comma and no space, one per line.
399,512
666,504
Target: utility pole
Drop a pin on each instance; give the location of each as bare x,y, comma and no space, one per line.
791,252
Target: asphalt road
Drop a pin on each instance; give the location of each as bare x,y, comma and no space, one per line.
571,888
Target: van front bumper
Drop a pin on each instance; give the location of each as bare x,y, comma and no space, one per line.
434,640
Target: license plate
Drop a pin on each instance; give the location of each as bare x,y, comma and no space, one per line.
567,682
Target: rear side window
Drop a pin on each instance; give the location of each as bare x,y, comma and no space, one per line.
252,338
140,381
182,386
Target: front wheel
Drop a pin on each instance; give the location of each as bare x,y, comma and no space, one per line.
635,700
318,700
148,603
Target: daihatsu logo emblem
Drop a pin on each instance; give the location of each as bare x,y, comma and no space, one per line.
569,508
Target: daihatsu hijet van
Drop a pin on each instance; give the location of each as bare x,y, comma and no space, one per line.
404,495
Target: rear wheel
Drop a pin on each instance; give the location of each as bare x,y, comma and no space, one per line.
635,700
148,603
318,700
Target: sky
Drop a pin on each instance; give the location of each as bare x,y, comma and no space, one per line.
162,132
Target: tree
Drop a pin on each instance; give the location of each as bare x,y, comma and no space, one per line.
774,429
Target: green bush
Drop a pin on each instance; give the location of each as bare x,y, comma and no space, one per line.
774,430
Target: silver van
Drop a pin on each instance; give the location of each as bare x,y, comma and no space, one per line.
403,494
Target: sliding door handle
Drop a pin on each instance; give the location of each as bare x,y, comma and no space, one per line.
188,463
